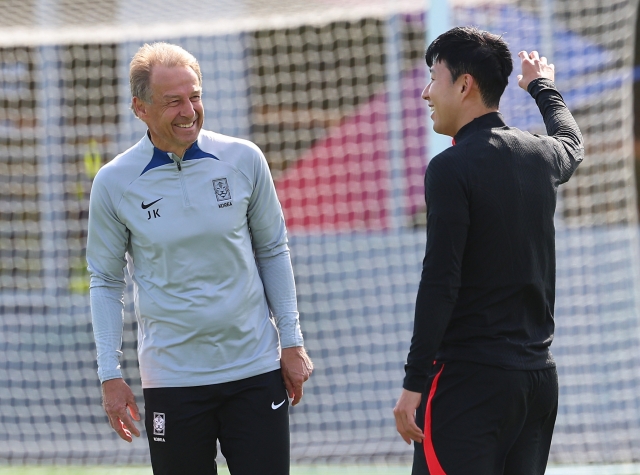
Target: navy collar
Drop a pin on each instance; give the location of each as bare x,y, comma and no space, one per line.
160,157
487,121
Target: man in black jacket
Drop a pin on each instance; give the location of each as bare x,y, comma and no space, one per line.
481,389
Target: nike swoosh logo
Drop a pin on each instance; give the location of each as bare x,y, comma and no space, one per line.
275,406
144,206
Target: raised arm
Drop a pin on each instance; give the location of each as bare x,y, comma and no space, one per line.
537,78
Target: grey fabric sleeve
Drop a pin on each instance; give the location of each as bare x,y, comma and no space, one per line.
269,236
277,277
107,305
106,248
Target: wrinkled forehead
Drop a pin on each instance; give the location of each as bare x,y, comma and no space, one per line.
173,80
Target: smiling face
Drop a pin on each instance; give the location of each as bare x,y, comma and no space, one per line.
444,98
175,114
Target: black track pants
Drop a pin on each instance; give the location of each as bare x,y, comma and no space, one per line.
249,417
484,420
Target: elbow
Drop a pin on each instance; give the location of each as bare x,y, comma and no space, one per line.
98,280
577,154
432,292
271,251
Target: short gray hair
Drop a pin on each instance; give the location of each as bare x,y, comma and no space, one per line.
150,55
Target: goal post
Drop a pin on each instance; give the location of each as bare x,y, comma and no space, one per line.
330,91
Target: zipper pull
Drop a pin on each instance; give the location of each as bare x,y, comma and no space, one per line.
179,166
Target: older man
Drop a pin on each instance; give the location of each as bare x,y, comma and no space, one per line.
220,346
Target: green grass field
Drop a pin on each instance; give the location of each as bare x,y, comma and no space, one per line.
625,469
297,470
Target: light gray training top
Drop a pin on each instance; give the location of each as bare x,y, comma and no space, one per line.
208,255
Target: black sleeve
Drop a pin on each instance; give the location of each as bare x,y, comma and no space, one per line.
447,227
561,126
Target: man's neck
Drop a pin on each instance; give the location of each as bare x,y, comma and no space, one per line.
472,113
178,152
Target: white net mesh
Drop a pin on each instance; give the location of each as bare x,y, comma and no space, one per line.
331,92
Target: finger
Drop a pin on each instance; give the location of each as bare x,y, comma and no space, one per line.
288,384
120,429
298,395
307,373
400,428
408,429
519,77
543,59
534,55
296,390
125,422
299,377
127,433
120,419
405,436
414,432
308,364
131,426
524,57
134,411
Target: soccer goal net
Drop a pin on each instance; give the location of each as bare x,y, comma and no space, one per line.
330,90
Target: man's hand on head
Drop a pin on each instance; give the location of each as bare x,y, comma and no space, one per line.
534,67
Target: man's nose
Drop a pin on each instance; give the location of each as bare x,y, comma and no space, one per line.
187,110
425,92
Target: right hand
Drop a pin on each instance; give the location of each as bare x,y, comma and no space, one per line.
405,414
534,67
120,405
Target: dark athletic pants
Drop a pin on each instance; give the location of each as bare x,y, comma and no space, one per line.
484,420
249,417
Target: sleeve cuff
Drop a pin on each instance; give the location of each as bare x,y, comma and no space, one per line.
538,85
414,383
107,375
290,334
415,378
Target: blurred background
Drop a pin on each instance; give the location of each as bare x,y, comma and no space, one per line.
330,90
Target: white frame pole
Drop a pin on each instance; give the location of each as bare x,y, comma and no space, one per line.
393,66
438,13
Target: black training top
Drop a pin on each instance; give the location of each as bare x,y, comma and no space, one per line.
487,291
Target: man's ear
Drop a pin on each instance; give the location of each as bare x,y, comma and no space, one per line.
466,84
139,107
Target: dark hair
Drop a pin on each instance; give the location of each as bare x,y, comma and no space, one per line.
483,55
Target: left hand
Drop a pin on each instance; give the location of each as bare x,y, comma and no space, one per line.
296,369
533,67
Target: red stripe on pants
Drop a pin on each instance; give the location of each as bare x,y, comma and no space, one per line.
432,459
